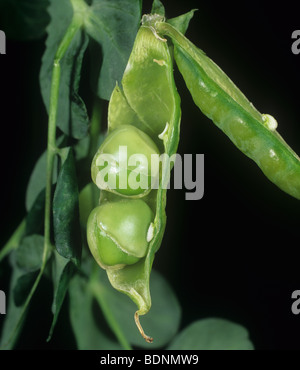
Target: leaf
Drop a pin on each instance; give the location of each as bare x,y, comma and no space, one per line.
63,270
158,8
84,322
113,26
81,148
14,240
212,334
162,321
66,212
23,287
24,19
11,329
84,151
37,180
72,115
29,254
35,217
181,22
28,260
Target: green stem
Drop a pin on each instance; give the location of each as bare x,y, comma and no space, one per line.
14,240
52,150
98,291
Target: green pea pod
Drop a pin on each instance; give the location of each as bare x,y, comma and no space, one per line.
148,102
220,100
148,98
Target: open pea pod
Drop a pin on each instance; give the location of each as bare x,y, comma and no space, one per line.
125,231
220,100
143,117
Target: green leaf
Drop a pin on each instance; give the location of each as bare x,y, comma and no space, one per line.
37,180
81,148
162,321
63,270
85,320
14,240
212,334
181,22
24,282
11,326
66,212
84,151
158,8
24,19
23,287
35,217
113,25
73,119
29,254
28,260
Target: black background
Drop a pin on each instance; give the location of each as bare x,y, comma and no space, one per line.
234,253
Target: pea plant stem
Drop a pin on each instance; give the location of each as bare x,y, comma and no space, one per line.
52,151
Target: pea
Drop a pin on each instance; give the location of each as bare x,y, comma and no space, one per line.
128,152
118,232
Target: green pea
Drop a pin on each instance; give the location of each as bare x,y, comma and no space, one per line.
118,233
122,164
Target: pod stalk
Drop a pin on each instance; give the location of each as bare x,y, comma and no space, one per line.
141,330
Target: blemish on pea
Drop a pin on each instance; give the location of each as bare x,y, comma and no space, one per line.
273,155
160,62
